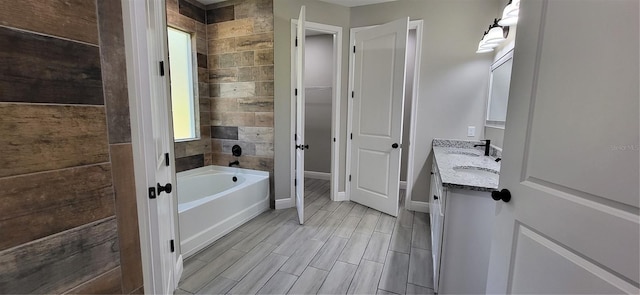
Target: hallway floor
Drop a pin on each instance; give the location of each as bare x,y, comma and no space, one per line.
342,248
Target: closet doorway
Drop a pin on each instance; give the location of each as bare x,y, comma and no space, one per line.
322,76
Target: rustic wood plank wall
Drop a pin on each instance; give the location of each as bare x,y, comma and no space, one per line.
68,216
240,48
189,16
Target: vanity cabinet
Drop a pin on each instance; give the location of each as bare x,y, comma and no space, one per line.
461,230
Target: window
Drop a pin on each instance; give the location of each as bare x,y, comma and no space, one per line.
183,94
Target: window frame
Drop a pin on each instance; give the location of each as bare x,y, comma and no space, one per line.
194,95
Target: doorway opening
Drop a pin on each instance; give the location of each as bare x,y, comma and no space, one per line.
321,107
318,104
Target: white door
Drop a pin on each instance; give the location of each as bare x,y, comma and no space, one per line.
571,153
378,85
299,97
159,174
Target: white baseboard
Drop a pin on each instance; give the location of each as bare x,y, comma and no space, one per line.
417,206
285,203
341,196
403,184
317,175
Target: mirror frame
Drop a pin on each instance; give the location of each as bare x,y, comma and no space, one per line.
499,62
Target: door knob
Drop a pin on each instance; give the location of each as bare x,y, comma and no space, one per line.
504,195
166,188
395,145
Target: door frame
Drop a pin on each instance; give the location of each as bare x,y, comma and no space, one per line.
141,65
410,204
335,108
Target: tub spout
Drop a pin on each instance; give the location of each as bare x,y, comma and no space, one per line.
234,163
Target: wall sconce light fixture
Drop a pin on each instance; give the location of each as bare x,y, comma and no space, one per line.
499,31
510,13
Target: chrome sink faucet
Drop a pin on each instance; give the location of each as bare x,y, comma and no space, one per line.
486,146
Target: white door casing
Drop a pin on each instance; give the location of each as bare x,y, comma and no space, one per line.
377,112
571,155
299,98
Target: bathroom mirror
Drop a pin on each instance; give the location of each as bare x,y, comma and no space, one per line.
499,91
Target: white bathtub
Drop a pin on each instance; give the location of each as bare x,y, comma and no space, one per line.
211,205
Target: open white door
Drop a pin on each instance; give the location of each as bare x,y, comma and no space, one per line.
299,97
378,85
146,46
571,155
162,139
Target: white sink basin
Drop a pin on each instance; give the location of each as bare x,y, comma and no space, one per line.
462,153
476,171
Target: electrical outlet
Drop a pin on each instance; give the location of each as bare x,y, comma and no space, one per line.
471,131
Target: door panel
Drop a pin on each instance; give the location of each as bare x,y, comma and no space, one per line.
379,73
299,138
570,155
374,182
561,270
375,116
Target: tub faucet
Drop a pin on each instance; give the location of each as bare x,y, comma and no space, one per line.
234,163
486,146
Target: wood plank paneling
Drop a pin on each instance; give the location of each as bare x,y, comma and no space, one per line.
221,14
72,19
62,261
188,163
127,216
192,11
42,204
41,69
114,70
106,283
202,61
36,138
222,132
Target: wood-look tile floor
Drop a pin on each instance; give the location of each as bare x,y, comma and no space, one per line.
343,247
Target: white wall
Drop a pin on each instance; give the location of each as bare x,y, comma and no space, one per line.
320,12
453,78
318,81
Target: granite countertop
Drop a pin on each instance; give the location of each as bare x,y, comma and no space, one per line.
463,166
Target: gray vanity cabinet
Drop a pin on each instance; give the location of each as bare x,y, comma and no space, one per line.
461,229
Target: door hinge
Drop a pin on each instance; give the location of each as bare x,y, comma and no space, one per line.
296,41
349,177
172,247
354,49
353,94
166,159
295,182
295,136
152,192
334,139
296,92
351,136
162,68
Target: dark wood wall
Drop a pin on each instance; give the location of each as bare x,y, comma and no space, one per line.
68,216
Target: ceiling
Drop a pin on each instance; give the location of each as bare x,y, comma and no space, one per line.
347,3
